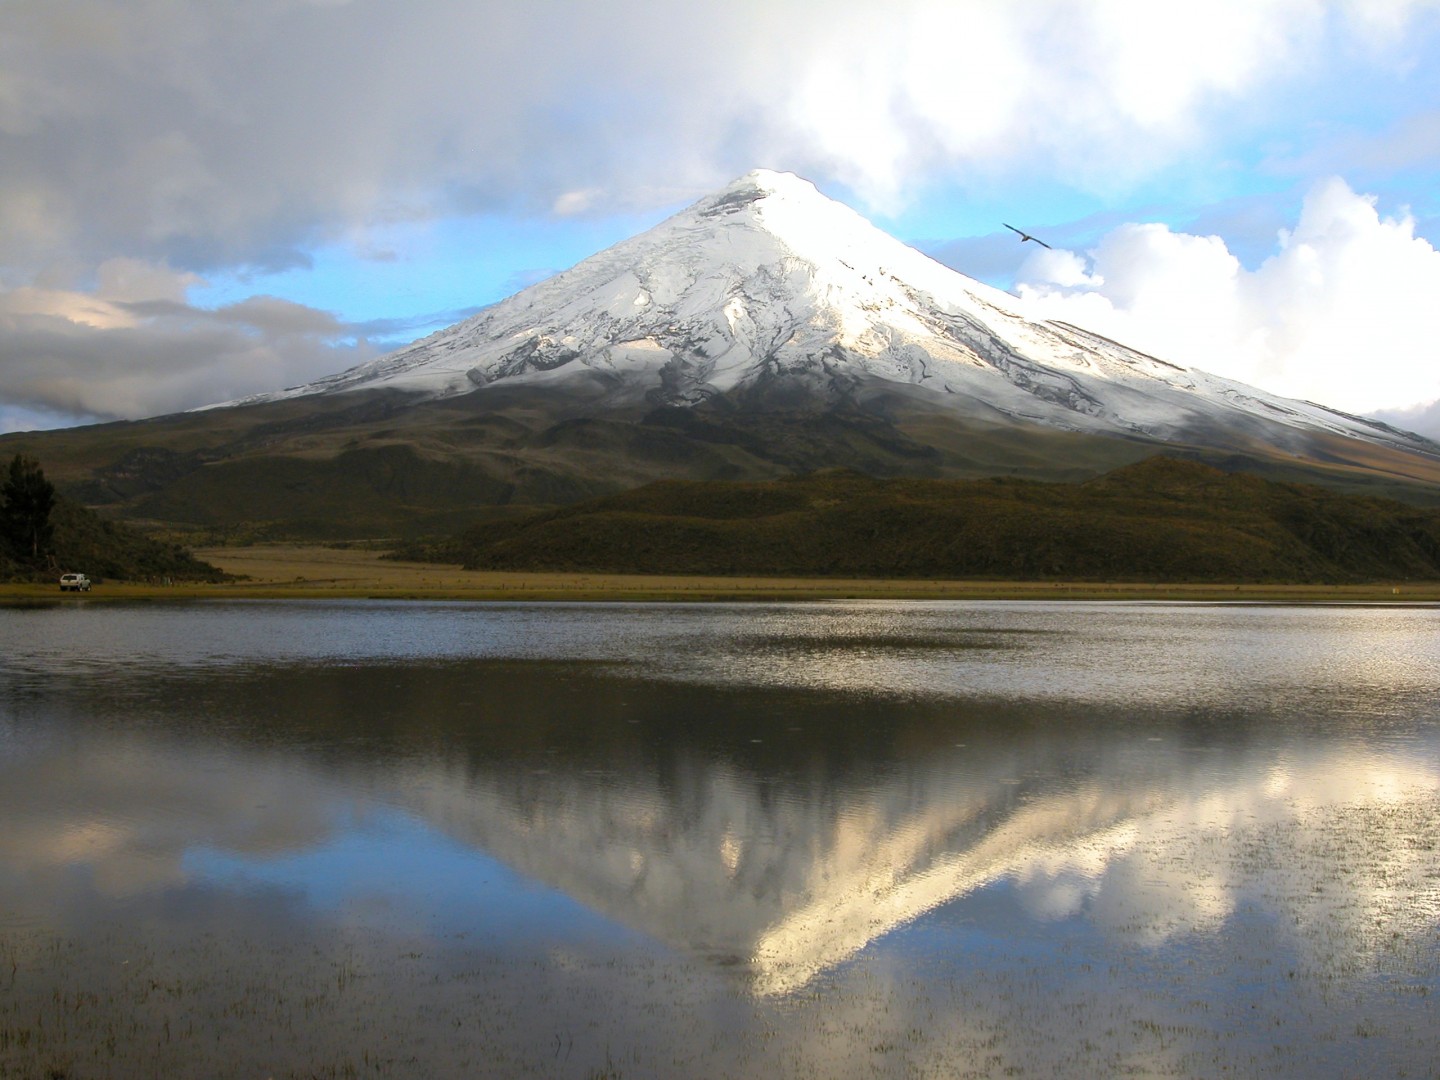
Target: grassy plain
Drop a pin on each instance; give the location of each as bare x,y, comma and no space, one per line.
299,571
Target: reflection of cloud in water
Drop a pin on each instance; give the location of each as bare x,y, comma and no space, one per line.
1341,844
127,809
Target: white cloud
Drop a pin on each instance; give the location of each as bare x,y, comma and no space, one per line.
134,347
1423,417
1342,313
571,203
1107,90
209,135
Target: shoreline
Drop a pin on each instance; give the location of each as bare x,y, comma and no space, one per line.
312,572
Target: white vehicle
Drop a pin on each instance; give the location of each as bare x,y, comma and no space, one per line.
74,583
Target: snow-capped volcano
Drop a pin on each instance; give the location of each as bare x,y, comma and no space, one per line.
768,285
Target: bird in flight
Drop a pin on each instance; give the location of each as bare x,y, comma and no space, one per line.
1026,236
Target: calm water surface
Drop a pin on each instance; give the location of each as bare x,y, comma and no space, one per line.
907,839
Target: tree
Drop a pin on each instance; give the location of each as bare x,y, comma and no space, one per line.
26,499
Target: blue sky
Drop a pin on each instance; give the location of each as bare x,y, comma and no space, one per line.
200,200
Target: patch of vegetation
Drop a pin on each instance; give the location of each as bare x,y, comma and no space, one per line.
111,550
1162,520
43,535
26,499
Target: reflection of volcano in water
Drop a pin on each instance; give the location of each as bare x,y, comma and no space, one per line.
781,829
794,863
794,880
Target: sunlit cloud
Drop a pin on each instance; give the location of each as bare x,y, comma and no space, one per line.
1339,314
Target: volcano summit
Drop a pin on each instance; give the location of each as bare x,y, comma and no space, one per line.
764,330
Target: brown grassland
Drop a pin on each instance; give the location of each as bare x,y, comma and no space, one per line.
298,571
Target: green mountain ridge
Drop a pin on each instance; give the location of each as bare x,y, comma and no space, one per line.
1161,519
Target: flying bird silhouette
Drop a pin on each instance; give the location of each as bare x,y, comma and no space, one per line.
1026,236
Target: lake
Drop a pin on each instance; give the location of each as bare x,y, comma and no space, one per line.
353,839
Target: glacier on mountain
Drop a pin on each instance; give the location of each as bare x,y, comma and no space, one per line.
767,283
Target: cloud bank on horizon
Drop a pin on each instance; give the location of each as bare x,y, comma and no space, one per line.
200,200
1336,314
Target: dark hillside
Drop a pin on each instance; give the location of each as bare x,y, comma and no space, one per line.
1158,520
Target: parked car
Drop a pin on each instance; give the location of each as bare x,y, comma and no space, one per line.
74,583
